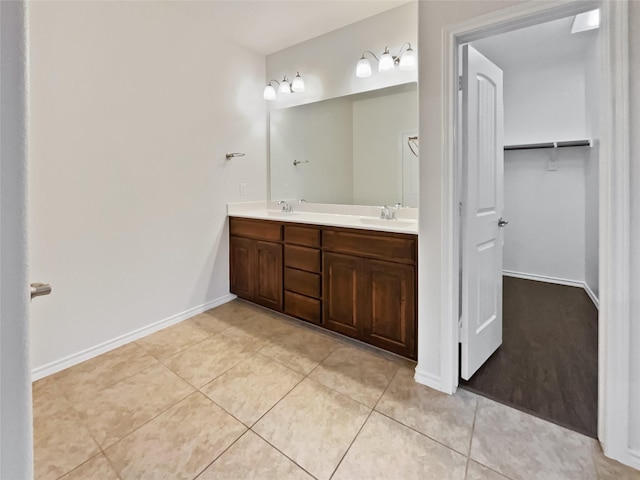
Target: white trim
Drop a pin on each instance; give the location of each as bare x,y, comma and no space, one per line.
614,231
556,281
544,278
633,458
591,295
84,355
428,379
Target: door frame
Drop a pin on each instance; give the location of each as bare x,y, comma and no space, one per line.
614,203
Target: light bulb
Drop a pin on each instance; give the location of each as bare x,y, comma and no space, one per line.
298,83
269,93
363,69
386,62
285,87
408,60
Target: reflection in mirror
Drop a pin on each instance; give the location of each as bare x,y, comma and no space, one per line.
359,149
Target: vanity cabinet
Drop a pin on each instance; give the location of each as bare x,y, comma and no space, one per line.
370,288
359,283
256,261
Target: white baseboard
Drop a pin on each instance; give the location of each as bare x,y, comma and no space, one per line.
555,280
74,359
428,379
543,278
592,295
632,459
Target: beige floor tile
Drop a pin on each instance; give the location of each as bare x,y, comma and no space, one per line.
118,410
251,388
475,471
445,418
313,426
356,373
236,310
301,350
174,339
61,441
258,330
208,359
251,458
522,446
611,470
207,322
98,468
87,378
178,444
386,449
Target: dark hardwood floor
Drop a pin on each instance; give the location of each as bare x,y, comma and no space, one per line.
548,362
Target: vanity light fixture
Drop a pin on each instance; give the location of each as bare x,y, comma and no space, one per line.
284,86
405,60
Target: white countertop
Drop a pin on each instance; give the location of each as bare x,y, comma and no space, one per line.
348,216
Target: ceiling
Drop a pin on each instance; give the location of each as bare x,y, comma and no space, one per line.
266,26
546,42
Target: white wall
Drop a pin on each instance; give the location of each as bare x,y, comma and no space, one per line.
634,107
546,209
378,125
130,118
328,62
16,446
301,134
544,102
546,214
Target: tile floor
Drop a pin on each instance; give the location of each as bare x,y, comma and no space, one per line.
239,392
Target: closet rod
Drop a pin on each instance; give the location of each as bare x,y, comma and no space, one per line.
568,143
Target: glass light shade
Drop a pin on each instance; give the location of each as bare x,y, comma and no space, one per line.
408,60
298,84
386,62
363,69
269,93
285,87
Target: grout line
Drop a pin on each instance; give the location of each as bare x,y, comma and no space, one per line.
284,454
473,426
221,453
421,433
351,444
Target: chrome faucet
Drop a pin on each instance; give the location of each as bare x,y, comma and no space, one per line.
285,206
386,213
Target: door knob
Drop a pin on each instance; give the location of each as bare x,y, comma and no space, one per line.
502,222
40,289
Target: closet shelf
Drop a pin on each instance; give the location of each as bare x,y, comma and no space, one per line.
568,143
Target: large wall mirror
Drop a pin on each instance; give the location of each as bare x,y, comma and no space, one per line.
359,149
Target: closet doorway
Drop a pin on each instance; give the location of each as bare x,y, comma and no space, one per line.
535,322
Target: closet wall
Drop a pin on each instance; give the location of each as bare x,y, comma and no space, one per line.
551,195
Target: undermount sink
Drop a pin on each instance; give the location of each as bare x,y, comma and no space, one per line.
385,223
281,214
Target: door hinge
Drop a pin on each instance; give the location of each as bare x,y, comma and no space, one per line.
460,212
460,82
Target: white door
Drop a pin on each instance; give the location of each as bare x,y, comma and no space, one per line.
410,165
483,193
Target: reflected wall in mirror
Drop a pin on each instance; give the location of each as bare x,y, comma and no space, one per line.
356,149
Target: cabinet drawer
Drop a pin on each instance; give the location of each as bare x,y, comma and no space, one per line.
303,307
307,236
303,258
305,283
257,229
398,248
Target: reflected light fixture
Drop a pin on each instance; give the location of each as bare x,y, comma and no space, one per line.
284,86
405,60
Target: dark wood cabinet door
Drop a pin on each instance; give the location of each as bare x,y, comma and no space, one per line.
389,309
268,279
241,268
342,293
